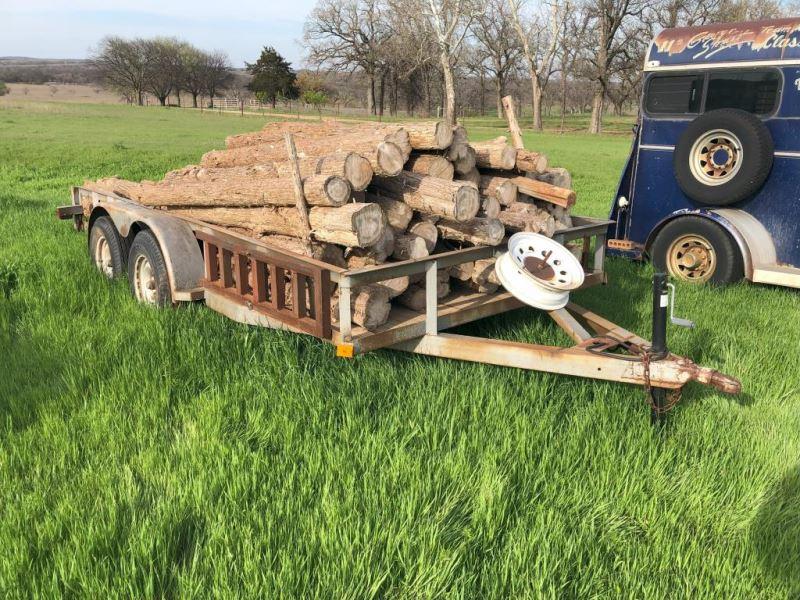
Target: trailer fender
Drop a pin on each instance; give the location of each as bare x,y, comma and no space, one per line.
178,243
752,239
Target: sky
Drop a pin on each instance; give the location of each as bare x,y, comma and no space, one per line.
70,29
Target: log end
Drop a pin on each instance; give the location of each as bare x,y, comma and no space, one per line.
443,134
467,202
368,224
390,159
358,171
338,190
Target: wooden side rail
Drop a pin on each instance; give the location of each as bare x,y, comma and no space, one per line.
260,281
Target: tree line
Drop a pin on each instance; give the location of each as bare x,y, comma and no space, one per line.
450,52
161,66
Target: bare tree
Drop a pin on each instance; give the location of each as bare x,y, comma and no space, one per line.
163,72
346,35
614,25
123,65
539,45
215,73
498,44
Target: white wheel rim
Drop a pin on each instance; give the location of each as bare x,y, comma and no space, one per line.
102,256
144,281
525,288
716,157
548,286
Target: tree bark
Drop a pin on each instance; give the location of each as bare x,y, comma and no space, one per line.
354,224
544,191
532,221
495,154
501,188
320,190
430,195
431,164
596,120
513,125
449,89
481,232
409,246
530,162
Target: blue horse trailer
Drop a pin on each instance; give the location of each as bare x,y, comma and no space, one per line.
711,189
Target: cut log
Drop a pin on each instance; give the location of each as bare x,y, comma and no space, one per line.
377,252
495,154
483,273
394,286
530,162
353,167
460,153
409,246
430,195
557,176
527,221
354,224
369,307
398,214
321,251
462,272
490,207
473,177
545,191
488,232
427,231
414,296
319,190
436,135
384,157
501,188
431,164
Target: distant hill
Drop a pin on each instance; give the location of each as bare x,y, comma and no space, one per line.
22,69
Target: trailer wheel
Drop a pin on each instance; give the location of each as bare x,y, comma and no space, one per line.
723,157
106,248
697,250
147,271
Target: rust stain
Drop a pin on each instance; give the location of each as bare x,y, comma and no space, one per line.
709,40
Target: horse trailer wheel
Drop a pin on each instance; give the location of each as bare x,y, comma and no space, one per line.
147,271
723,157
106,248
697,250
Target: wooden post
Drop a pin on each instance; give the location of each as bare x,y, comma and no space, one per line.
302,207
513,126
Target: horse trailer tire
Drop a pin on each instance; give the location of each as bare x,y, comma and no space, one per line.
723,157
147,271
697,250
107,248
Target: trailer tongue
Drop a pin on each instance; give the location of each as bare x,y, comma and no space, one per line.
245,280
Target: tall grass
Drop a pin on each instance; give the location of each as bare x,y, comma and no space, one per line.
175,453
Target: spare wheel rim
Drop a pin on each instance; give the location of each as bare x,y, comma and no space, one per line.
526,288
716,157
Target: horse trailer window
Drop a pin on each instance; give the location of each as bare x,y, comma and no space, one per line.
674,94
753,91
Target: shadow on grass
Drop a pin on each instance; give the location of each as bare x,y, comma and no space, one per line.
776,532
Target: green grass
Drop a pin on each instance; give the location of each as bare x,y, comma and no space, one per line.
159,454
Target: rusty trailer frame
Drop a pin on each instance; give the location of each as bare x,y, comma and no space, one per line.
244,279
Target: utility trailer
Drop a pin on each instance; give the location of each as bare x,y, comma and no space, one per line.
174,259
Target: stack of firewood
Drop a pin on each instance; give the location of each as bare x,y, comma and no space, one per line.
374,194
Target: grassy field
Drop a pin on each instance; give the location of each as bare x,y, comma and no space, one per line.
160,454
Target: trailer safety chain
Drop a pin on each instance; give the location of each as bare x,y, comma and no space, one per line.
673,396
605,344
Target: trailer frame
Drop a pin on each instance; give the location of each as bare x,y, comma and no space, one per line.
244,279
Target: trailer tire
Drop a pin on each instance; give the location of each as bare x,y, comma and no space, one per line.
107,248
147,271
697,250
723,157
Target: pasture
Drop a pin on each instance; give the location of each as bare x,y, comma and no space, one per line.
161,454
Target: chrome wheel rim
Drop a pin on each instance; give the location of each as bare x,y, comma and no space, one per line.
102,256
692,258
716,157
145,281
